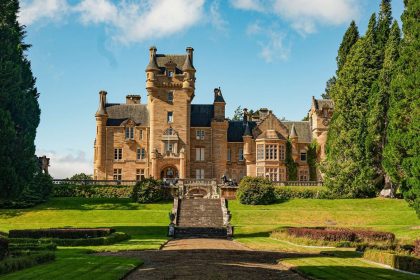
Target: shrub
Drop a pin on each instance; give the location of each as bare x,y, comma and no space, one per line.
402,262
4,248
417,247
322,234
14,264
148,191
68,233
107,240
368,235
32,247
256,191
286,193
92,191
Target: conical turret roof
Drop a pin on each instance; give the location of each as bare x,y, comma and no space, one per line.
293,133
188,64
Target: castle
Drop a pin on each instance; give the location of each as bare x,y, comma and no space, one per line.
171,138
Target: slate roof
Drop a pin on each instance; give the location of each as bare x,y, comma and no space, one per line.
179,60
236,130
117,113
323,103
201,115
303,130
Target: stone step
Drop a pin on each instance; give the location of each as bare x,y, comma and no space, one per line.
183,232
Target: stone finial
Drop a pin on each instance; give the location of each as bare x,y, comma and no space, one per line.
218,97
102,101
293,133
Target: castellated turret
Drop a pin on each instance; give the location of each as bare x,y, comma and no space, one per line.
100,139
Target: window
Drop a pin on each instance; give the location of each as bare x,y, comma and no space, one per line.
199,134
169,147
272,174
170,97
303,175
170,117
302,155
141,153
139,174
260,171
141,134
229,156
129,133
199,154
271,152
282,174
241,154
199,173
117,153
118,174
260,152
170,73
282,152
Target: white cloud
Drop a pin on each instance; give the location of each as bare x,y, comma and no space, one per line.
216,18
35,10
63,165
134,21
305,15
252,5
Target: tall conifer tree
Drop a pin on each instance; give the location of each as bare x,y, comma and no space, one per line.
402,150
19,109
347,167
349,39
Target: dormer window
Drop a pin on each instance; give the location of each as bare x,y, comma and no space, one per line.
170,97
129,133
170,73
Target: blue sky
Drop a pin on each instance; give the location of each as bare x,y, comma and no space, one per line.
273,53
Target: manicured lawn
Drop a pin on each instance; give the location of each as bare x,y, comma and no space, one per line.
77,264
147,225
253,225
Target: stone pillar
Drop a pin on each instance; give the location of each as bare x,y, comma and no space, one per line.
155,171
182,164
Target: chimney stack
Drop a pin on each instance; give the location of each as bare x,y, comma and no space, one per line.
132,99
190,54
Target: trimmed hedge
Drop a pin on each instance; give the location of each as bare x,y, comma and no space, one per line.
4,248
148,191
67,233
107,240
286,193
92,191
32,247
417,247
402,262
341,234
14,264
256,191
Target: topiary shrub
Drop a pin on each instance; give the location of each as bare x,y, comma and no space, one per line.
402,262
256,191
148,191
4,248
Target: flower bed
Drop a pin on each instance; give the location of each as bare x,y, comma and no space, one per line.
64,233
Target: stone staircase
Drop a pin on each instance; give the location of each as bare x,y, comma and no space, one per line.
200,217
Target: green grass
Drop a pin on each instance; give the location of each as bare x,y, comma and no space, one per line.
253,225
78,264
146,223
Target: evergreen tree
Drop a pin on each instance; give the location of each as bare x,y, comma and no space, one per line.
349,39
347,168
402,149
379,104
384,23
19,109
238,114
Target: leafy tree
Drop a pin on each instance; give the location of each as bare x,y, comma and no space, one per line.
379,104
19,109
238,114
347,167
81,176
328,88
402,149
312,157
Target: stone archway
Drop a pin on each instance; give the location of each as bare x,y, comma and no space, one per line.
169,172
197,192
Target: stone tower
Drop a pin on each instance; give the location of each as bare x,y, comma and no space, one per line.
170,88
100,139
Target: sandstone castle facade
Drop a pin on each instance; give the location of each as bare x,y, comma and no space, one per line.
171,138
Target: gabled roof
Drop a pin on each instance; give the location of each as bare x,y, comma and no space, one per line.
163,59
272,135
302,128
320,104
118,113
236,130
201,115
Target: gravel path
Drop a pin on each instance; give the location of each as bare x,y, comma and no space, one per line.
208,259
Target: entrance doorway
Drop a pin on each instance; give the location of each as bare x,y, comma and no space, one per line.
169,172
